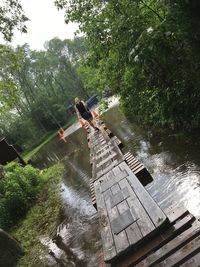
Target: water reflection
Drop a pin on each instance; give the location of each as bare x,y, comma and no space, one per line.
173,162
57,150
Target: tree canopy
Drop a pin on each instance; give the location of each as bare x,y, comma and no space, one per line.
36,88
11,17
148,52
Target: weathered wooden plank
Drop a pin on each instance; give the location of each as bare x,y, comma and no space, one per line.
106,165
131,161
172,246
192,262
98,147
121,241
119,174
107,183
127,155
111,156
122,204
106,170
135,165
115,189
128,158
125,192
133,232
139,170
96,151
174,213
102,154
119,197
182,254
105,135
116,140
136,168
157,215
121,222
144,221
108,158
106,234
156,242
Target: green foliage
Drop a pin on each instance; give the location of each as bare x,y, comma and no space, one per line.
148,52
36,87
9,90
92,80
11,17
103,106
18,189
41,220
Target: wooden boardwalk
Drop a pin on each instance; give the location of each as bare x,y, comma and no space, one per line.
134,230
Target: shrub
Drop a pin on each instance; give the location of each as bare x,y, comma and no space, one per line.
18,189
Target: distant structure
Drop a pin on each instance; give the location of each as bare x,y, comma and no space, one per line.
8,153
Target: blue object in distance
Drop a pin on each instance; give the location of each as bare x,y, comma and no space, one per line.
93,100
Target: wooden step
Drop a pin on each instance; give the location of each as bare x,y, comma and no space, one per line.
192,262
169,253
180,221
134,160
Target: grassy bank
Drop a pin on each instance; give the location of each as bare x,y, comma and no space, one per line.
46,139
41,220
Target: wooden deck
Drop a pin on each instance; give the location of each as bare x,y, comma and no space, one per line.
138,169
128,214
134,230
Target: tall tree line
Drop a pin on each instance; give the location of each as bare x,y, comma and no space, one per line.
36,88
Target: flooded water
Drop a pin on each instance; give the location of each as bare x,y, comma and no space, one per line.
78,242
173,161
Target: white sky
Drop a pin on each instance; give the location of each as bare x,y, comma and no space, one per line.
46,22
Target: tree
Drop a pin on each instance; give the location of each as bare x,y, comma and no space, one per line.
45,83
11,17
9,90
148,52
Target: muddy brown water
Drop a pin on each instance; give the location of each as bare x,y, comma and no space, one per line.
173,161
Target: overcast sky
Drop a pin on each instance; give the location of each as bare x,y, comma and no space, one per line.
46,22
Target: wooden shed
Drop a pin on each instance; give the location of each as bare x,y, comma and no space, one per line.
8,153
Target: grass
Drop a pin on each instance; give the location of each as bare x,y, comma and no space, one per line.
42,220
47,138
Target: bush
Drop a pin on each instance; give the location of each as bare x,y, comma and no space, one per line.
18,189
103,106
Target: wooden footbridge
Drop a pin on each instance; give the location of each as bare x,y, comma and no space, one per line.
135,231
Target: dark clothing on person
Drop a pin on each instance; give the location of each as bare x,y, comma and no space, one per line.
81,108
85,114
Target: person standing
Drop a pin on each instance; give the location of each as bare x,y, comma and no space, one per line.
83,111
